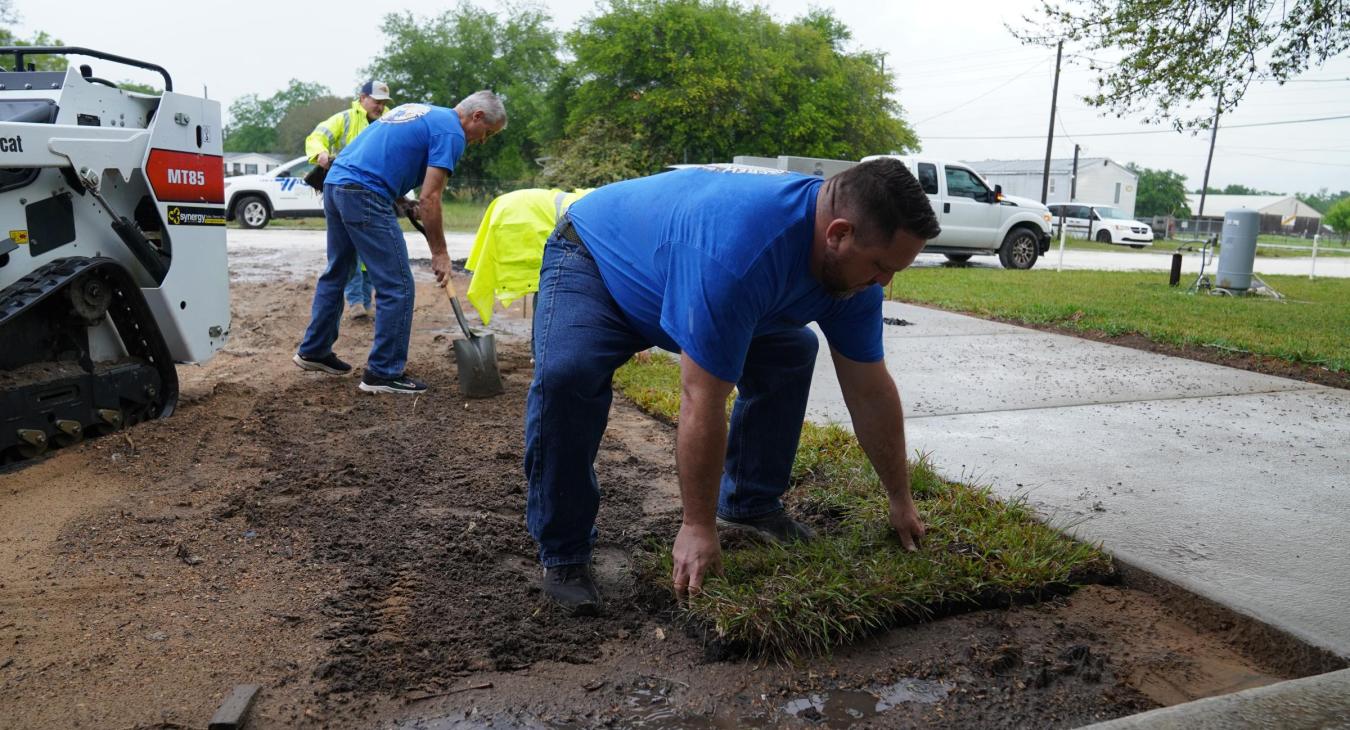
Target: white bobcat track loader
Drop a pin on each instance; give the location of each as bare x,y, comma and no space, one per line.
112,249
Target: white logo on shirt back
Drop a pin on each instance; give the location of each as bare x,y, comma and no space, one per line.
405,113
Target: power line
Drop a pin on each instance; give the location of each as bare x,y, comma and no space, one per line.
1160,131
1281,159
999,86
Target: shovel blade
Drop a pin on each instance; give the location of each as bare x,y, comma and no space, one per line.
477,362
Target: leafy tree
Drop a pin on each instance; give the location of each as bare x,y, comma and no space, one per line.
139,88
1236,189
443,59
301,119
8,18
253,120
704,80
1160,192
1176,58
599,154
1338,217
1323,199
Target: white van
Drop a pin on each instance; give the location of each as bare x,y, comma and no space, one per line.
977,218
1101,223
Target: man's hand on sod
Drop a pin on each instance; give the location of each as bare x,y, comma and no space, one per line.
701,449
697,554
904,518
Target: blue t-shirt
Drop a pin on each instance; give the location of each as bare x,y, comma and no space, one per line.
702,260
392,155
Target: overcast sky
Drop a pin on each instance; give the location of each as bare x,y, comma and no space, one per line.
960,75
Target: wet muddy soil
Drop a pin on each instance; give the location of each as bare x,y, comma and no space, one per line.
365,560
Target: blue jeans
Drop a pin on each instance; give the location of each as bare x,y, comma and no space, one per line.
362,222
580,338
358,287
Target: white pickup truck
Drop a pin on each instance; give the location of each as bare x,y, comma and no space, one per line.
977,218
254,200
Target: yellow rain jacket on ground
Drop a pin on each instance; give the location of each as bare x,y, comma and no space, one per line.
509,249
336,132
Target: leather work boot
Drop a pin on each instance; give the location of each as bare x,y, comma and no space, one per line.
573,588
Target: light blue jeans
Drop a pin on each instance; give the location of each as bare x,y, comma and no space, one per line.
362,222
358,289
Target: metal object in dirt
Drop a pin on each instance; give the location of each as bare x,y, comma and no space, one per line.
476,356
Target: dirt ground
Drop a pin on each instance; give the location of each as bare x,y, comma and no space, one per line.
364,559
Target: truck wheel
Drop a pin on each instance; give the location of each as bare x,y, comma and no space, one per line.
1019,249
251,211
959,258
1103,236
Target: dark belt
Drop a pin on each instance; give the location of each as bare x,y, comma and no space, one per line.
569,232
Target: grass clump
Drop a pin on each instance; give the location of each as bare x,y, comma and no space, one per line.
855,579
1307,327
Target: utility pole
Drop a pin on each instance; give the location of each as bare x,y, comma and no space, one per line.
1050,138
1073,181
1213,133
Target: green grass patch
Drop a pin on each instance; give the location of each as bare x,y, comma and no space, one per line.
855,579
1169,246
456,216
1307,327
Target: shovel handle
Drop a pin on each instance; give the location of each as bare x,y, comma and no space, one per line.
459,313
449,286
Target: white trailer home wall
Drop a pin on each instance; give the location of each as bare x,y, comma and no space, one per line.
1101,181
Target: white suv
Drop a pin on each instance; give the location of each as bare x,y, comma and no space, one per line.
977,218
1101,223
254,200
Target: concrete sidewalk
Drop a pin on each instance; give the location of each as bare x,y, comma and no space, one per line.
1231,484
1312,703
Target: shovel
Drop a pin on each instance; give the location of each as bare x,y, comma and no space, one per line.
476,356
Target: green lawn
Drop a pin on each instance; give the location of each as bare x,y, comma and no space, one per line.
855,579
457,216
1312,325
1169,245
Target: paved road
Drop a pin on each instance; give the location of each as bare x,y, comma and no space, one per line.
1230,483
1328,265
275,253
302,252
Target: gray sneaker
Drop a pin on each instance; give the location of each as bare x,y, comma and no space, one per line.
775,527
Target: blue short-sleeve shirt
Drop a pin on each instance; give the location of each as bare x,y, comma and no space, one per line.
703,260
392,155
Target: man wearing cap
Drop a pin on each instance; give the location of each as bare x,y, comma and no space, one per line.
412,145
324,144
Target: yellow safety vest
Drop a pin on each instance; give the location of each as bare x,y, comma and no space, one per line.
509,249
336,132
